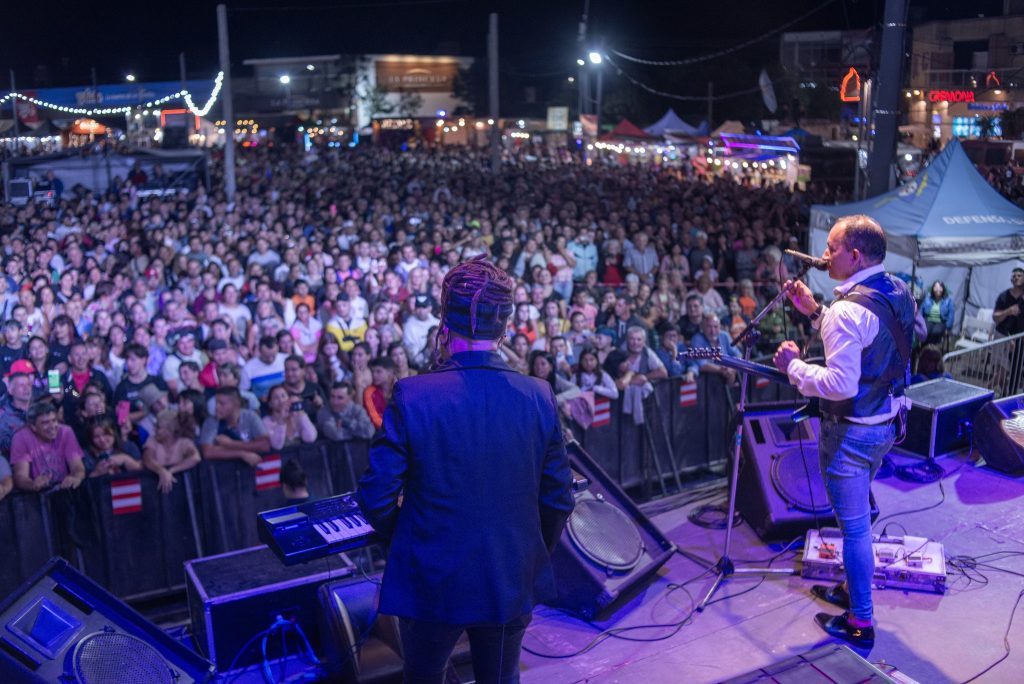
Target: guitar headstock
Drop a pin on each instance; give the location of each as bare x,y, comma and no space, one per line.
702,354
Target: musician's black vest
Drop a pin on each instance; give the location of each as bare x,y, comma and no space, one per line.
884,374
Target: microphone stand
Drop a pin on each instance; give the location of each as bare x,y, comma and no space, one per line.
725,567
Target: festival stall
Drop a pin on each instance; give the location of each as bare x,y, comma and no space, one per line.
947,224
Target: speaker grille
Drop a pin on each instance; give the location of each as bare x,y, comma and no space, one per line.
799,487
113,657
605,535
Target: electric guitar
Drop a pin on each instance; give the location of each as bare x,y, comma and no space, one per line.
714,354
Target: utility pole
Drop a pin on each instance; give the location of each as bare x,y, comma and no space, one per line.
14,108
887,97
583,76
711,105
492,68
228,105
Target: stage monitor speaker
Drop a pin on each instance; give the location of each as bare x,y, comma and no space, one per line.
999,432
609,547
62,626
831,663
780,491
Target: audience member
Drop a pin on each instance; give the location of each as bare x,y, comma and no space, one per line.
45,453
232,431
287,423
1009,310
343,418
938,313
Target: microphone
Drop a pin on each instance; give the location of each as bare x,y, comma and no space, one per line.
813,262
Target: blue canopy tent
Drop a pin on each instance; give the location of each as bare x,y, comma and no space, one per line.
947,224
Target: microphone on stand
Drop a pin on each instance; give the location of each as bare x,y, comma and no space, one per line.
813,262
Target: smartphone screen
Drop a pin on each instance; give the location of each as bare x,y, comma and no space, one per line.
53,381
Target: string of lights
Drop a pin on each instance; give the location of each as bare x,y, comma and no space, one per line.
101,111
674,96
725,51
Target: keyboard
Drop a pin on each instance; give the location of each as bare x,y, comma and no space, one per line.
315,529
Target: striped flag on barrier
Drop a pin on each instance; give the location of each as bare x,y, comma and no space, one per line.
688,394
126,496
602,412
268,472
760,383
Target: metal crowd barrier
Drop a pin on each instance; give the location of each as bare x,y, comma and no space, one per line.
133,539
997,365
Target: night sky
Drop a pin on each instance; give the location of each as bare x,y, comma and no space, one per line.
57,44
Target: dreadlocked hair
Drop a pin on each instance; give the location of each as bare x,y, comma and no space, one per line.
476,299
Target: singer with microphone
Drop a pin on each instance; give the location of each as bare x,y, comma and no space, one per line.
866,333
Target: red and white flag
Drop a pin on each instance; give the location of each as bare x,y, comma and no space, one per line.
761,382
602,412
268,472
688,394
126,496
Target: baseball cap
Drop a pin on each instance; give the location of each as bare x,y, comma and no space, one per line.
215,344
21,367
606,330
150,394
422,301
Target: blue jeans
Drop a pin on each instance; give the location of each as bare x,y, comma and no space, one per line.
495,649
850,455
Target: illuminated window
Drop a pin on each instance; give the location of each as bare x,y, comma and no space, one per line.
969,126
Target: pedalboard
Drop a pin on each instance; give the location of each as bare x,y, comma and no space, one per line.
906,562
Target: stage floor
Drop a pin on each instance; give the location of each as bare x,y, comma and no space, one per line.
930,638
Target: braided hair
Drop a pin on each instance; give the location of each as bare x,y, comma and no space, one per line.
476,299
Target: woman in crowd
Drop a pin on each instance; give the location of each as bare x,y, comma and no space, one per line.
306,332
328,366
191,413
929,365
590,377
168,452
286,422
610,268
105,454
938,313
398,354
360,368
542,365
522,325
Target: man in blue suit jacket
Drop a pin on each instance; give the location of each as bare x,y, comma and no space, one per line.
476,452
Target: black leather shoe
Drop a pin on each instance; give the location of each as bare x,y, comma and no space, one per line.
838,627
836,595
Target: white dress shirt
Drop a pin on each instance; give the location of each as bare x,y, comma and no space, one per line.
847,329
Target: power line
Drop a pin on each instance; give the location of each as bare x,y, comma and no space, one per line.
726,51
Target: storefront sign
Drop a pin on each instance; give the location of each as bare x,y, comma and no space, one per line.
849,89
989,106
396,124
558,118
951,96
433,76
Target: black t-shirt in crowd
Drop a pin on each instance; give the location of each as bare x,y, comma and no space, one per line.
9,356
58,354
129,391
1011,325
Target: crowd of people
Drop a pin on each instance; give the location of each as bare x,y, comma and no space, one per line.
155,332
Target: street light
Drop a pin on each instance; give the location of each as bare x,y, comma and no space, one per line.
130,78
580,62
285,79
595,57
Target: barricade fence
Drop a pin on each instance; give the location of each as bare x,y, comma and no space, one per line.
997,365
133,539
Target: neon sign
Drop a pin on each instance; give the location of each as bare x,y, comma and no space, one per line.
849,90
951,96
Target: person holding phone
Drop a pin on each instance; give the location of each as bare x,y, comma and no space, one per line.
287,424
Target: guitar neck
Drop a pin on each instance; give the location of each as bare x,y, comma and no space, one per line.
745,366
